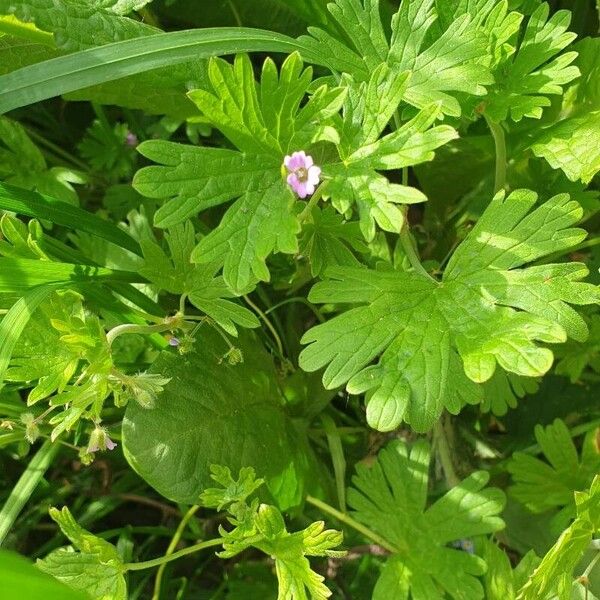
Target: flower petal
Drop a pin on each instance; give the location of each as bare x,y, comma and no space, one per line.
314,174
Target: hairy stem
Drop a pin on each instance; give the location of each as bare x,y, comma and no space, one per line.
500,145
443,445
155,562
347,520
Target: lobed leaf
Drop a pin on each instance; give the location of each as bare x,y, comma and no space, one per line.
485,311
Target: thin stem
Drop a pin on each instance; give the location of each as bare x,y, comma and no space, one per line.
591,566
155,562
182,301
236,14
314,199
115,332
404,175
444,448
178,533
500,144
301,300
344,518
57,150
409,250
267,322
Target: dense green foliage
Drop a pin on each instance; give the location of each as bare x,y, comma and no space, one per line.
299,300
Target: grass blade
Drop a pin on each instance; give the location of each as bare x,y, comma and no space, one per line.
26,485
15,320
40,206
21,274
113,61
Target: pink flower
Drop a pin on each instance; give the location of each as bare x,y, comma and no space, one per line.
303,175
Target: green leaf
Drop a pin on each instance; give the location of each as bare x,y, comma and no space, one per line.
498,579
42,352
257,225
536,68
23,165
265,122
554,575
96,569
21,580
15,320
569,146
187,178
328,241
46,208
215,412
232,490
206,290
576,357
355,179
450,63
290,551
542,485
486,310
117,60
568,143
77,24
16,53
263,527
389,497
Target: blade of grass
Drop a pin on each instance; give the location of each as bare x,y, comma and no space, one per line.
15,320
21,274
27,483
113,61
40,206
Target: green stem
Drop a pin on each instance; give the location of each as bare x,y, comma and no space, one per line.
344,518
115,332
236,14
500,145
404,175
57,150
301,300
178,533
336,449
444,448
27,483
12,26
268,323
314,199
409,250
155,562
